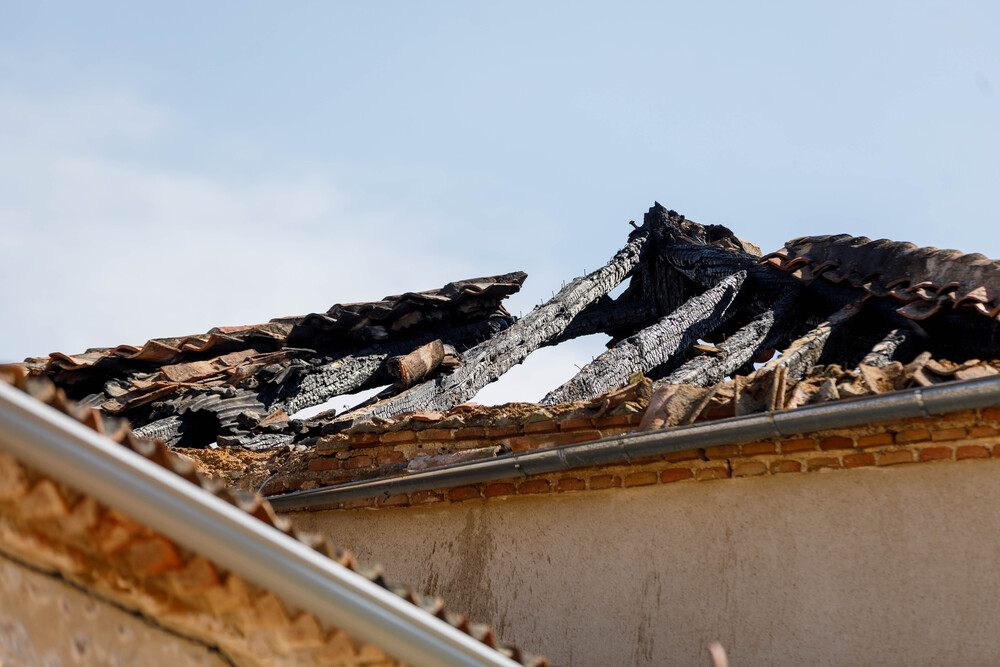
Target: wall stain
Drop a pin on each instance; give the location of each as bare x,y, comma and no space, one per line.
648,622
463,578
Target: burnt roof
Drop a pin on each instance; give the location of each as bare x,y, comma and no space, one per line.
701,307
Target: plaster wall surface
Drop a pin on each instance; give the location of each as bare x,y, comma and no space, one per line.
46,623
880,566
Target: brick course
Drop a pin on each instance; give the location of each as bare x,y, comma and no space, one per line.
966,435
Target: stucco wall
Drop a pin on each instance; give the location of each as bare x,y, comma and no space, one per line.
877,566
45,622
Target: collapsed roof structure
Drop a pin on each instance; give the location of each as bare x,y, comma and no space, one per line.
707,332
701,305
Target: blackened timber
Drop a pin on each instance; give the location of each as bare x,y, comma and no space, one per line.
654,346
617,318
884,351
707,265
739,349
295,385
661,284
167,429
349,374
802,353
489,360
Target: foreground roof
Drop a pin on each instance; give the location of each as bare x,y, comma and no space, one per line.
47,524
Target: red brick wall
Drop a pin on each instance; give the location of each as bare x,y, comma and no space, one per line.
967,435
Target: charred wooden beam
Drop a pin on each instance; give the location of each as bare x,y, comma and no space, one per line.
800,356
290,386
617,318
348,374
654,346
884,351
489,360
167,429
741,348
707,265
662,286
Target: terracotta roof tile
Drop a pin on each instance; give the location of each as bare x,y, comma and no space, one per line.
119,557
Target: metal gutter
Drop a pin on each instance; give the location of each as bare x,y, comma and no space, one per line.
54,443
905,404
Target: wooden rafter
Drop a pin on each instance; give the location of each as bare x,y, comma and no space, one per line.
655,345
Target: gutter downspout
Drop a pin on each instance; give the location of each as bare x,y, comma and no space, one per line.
58,445
891,406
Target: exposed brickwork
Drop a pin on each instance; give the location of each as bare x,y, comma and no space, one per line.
503,431
859,460
798,445
571,484
786,466
966,435
363,439
972,452
546,426
470,433
534,486
323,463
397,500
892,458
435,434
749,469
605,481
641,478
755,448
354,462
499,489
463,493
425,497
836,442
875,440
674,475
576,423
935,454
688,455
823,462
913,435
394,437
385,458
716,472
722,451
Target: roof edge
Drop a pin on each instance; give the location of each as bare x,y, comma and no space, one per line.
903,404
43,437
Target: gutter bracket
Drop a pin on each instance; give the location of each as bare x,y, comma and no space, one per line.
919,396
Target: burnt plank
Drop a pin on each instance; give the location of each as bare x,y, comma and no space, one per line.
739,349
489,360
655,345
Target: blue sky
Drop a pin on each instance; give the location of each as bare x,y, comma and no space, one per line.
165,170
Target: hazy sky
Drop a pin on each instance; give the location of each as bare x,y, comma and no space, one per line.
165,170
